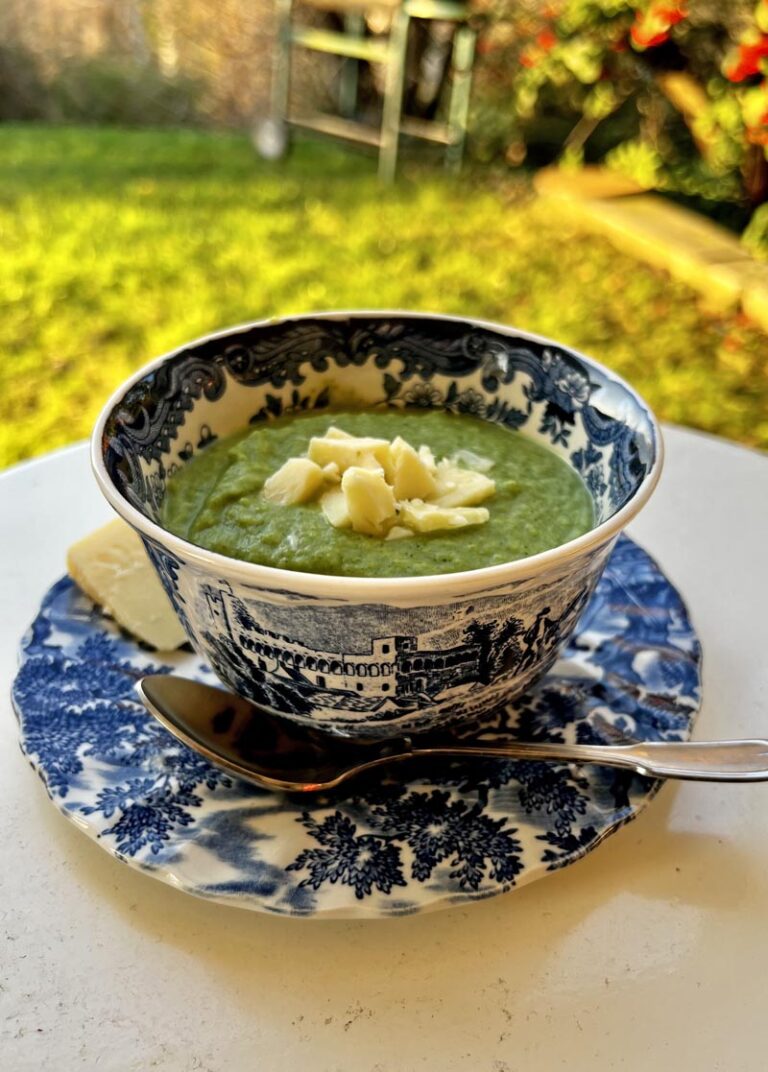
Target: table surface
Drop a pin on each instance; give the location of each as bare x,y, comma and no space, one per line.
650,952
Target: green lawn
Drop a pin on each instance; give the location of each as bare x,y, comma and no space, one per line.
119,245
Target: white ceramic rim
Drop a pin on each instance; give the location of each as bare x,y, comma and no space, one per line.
365,589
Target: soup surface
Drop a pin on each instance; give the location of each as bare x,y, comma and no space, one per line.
215,500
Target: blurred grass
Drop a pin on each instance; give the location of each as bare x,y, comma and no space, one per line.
120,245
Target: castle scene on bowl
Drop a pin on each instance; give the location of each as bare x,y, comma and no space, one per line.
375,655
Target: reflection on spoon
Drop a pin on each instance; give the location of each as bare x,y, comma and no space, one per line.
275,753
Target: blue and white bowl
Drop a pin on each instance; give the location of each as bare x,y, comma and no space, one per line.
373,657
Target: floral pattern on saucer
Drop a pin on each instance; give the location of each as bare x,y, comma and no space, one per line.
443,836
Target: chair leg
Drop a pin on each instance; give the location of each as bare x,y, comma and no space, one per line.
354,26
281,69
393,96
461,74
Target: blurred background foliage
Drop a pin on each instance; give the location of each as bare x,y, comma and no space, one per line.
119,244
672,93
141,62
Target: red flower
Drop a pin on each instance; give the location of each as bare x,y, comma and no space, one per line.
652,27
674,15
747,60
546,40
644,40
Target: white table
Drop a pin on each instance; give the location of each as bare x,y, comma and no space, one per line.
650,953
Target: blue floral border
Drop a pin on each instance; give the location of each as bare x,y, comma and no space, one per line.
421,362
631,671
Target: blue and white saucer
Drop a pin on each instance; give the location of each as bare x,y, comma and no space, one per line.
459,833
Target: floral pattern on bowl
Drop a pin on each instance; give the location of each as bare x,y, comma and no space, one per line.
426,362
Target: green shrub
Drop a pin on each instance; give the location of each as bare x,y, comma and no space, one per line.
755,237
674,95
23,93
105,90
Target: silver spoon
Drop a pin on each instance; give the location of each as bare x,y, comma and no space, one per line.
276,754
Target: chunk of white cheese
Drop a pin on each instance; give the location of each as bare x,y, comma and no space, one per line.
397,532
461,487
370,500
331,473
113,569
369,461
427,457
409,475
472,460
297,481
429,517
334,505
348,451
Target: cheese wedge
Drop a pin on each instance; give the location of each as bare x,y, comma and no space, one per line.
113,569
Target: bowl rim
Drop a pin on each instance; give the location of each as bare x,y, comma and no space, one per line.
364,589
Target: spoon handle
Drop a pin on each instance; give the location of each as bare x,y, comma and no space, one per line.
705,761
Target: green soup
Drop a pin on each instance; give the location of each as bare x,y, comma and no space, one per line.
215,500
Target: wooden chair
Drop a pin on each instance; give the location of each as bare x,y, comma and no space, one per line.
390,50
